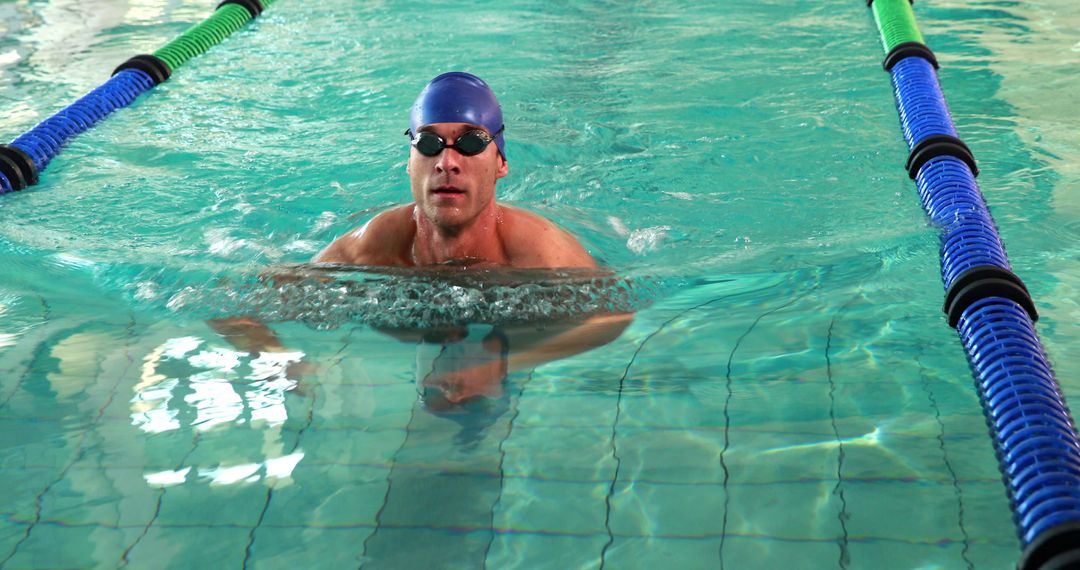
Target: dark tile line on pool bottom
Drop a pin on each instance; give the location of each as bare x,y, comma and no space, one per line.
80,447
979,434
533,422
923,373
510,531
683,375
502,461
62,418
44,345
729,378
270,489
917,480
615,422
124,560
843,515
393,461
159,500
338,357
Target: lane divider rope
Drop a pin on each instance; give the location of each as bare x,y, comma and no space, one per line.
22,161
1033,431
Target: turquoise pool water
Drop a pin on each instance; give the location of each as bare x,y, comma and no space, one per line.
788,394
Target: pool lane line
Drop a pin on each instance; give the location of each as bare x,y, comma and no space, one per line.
729,380
309,420
502,462
843,560
611,534
22,161
363,556
615,426
958,490
125,556
1033,431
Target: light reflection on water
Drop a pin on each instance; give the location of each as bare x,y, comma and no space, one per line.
213,395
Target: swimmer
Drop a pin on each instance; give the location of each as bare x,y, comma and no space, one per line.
456,156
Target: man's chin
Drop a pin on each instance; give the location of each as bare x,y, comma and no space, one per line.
446,217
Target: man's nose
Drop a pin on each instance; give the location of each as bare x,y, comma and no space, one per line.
449,161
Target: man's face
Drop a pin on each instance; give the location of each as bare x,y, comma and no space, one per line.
451,189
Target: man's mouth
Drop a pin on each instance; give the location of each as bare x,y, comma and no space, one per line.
447,189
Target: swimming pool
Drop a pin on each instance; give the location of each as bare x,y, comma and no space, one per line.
790,396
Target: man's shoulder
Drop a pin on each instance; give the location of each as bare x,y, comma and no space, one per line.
531,240
395,221
383,240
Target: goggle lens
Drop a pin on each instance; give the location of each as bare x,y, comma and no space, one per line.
472,143
429,144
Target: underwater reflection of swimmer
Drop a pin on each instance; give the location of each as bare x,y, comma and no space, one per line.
445,480
457,366
454,372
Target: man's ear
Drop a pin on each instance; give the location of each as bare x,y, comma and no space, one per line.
504,168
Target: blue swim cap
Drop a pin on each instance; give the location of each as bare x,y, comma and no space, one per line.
458,97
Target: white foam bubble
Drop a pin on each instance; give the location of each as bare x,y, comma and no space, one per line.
646,240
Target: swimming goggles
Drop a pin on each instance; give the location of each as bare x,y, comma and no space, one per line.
469,143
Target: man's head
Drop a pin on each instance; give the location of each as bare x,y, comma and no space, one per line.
457,149
458,97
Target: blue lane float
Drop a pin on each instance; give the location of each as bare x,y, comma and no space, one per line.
23,160
29,154
43,142
1034,434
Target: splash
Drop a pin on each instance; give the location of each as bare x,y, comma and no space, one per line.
327,296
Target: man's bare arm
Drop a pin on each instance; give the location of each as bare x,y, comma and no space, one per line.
530,347
247,334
